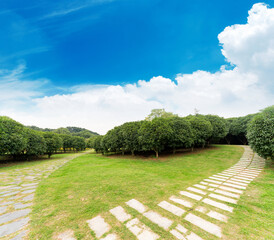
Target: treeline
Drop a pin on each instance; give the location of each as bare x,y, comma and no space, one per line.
162,133
21,142
166,131
74,131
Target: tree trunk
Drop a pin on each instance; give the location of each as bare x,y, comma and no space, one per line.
174,150
123,152
192,149
132,152
157,154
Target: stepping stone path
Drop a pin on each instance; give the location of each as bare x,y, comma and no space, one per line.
17,188
188,214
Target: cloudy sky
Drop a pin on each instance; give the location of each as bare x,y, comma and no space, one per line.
99,63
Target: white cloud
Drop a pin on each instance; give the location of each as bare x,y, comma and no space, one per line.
242,90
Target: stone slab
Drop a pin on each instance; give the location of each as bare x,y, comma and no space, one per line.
156,218
14,215
13,227
227,193
171,208
234,186
111,236
181,202
98,226
200,186
67,235
191,195
231,189
177,235
133,203
196,190
204,224
218,204
193,236
120,214
222,198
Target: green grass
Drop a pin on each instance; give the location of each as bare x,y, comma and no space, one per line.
93,184
253,217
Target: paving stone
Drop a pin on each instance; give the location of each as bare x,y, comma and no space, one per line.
172,208
156,218
111,236
67,235
191,195
240,180
218,204
178,235
6,203
219,178
234,186
120,214
181,229
196,190
13,227
238,183
213,185
204,224
137,205
217,216
231,189
200,186
140,230
181,202
14,215
227,193
98,226
204,183
3,209
212,181
222,198
10,194
193,236
21,205
28,198
28,191
20,236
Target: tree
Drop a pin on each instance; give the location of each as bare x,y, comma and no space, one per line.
53,142
159,113
154,135
62,131
67,141
113,141
219,127
78,143
36,144
201,129
260,133
13,140
182,136
97,144
130,134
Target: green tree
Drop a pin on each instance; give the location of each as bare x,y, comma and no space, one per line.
53,142
159,113
219,127
67,141
113,140
36,144
182,136
13,140
98,144
78,143
62,131
201,129
260,133
154,135
130,134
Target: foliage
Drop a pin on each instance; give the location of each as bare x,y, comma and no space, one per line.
13,139
160,113
201,128
53,142
36,144
182,136
78,143
219,127
154,135
260,133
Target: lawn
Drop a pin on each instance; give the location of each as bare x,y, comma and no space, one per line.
93,184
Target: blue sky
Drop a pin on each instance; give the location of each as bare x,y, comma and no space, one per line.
99,63
115,42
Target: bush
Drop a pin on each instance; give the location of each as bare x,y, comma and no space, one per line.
260,133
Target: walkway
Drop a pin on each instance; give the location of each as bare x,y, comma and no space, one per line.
17,189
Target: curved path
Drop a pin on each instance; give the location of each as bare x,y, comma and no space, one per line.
198,210
17,189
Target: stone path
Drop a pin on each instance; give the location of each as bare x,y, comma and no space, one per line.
195,211
17,188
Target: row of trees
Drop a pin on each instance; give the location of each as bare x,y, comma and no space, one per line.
162,133
19,141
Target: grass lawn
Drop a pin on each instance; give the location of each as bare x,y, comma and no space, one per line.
253,217
93,184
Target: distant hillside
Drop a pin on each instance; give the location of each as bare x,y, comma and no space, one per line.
74,131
